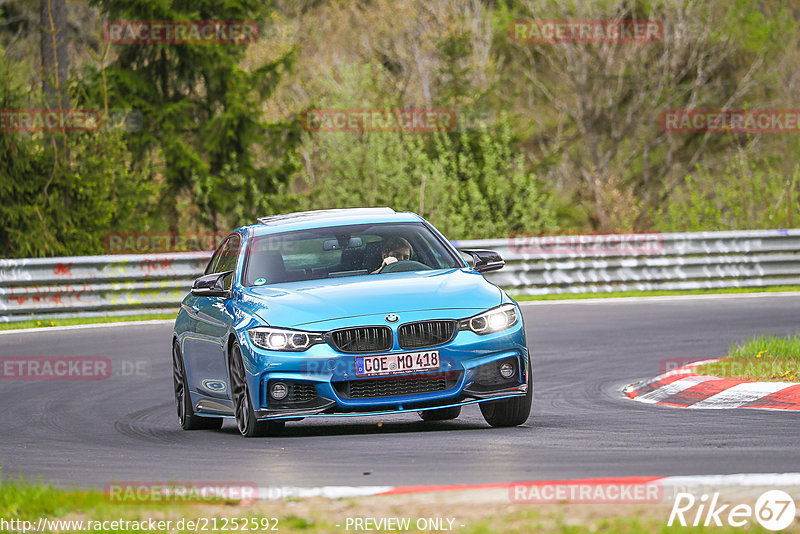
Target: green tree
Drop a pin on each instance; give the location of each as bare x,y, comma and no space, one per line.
483,189
202,126
470,183
479,190
60,192
749,193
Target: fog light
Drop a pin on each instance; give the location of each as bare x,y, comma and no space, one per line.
278,390
506,370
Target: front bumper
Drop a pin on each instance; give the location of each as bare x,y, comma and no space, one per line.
272,416
330,386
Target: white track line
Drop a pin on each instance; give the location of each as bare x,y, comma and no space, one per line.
742,479
664,298
328,492
90,325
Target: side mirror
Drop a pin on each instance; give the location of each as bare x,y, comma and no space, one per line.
211,285
485,260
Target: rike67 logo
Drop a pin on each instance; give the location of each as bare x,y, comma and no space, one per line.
774,510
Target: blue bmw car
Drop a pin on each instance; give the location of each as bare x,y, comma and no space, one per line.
342,313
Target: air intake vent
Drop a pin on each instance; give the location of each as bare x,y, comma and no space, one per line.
426,334
300,392
396,387
362,339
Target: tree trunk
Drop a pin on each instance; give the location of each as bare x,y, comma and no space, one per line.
55,61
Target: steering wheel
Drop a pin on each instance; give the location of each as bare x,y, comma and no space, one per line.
405,265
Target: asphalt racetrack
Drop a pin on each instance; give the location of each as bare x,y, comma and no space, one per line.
90,433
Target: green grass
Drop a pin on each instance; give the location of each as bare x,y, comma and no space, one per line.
765,358
87,320
24,500
660,293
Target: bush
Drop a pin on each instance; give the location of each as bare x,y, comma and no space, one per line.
748,194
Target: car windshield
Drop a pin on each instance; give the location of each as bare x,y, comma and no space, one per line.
339,251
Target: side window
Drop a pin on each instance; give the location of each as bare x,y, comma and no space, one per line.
226,258
213,261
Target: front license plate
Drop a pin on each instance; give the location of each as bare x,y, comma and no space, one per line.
392,364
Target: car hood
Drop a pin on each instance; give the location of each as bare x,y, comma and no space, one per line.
298,304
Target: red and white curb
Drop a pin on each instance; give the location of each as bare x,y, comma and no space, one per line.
683,388
745,480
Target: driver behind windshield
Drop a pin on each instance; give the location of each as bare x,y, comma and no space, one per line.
395,249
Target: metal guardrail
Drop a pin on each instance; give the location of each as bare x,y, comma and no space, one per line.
89,286
646,262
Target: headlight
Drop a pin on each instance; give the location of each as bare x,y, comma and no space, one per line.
491,321
270,338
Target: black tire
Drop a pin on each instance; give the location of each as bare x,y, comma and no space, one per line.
186,417
442,414
510,412
242,407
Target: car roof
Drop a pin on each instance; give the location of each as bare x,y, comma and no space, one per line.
303,220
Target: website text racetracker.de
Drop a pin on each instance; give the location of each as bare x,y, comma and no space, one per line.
201,524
